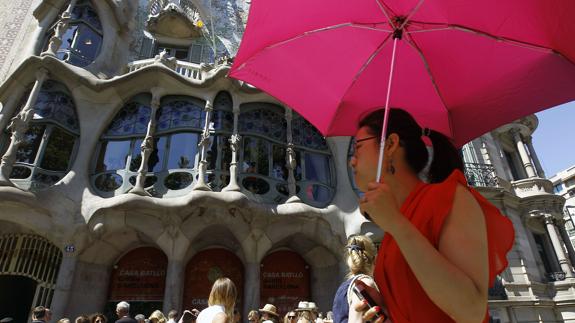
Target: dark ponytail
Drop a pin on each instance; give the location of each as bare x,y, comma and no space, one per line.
446,158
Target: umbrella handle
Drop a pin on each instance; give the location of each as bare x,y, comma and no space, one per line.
386,114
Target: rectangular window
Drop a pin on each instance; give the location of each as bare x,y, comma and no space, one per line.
183,151
58,151
317,168
256,158
28,149
113,155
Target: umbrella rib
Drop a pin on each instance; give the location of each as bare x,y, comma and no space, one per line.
364,66
411,42
383,7
310,32
482,33
413,11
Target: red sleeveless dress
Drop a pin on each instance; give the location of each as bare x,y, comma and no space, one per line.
427,207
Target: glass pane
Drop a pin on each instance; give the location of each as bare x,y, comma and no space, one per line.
212,153
108,182
68,37
136,155
183,150
223,120
318,193
181,54
87,43
317,168
256,185
255,156
279,169
306,135
226,151
57,106
28,149
156,161
196,54
20,172
132,119
148,180
266,120
178,181
58,150
113,155
181,114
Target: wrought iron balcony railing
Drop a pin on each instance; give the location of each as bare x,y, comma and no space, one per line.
482,175
556,276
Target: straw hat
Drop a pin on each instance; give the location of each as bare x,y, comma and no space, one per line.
270,309
306,306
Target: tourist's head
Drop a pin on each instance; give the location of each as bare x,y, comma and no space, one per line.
123,309
223,293
41,313
360,255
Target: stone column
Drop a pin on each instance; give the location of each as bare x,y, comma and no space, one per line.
173,292
566,240
523,154
56,40
235,145
147,146
63,285
291,159
557,246
203,145
18,127
252,288
534,157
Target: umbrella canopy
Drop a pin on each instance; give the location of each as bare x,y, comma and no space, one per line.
462,67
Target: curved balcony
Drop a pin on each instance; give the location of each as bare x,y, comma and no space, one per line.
186,69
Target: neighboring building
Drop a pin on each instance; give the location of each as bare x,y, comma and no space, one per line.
133,169
564,185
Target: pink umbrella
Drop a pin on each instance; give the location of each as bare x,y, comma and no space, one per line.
462,67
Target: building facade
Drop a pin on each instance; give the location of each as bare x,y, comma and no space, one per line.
564,185
133,169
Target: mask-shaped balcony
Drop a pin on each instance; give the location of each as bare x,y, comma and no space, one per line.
173,21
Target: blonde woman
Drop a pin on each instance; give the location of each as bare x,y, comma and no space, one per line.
360,258
221,303
157,317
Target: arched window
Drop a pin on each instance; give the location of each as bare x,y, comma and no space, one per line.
173,163
119,153
82,38
50,142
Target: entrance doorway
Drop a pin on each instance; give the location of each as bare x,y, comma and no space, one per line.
16,296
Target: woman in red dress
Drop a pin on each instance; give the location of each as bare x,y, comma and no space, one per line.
444,242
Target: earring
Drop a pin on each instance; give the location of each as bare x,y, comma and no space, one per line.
391,169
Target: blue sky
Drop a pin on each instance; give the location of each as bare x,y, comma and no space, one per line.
554,139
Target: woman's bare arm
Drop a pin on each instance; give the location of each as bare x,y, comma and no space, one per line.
455,277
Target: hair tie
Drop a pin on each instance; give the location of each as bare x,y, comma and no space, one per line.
354,247
425,132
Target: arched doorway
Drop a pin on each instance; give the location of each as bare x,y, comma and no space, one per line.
29,264
139,277
284,280
204,268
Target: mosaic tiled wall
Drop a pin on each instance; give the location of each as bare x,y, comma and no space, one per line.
14,15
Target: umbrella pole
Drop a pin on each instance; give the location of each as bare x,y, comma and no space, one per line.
386,114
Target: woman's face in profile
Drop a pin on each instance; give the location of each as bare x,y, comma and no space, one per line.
364,159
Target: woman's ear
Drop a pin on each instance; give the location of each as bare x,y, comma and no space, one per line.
391,144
